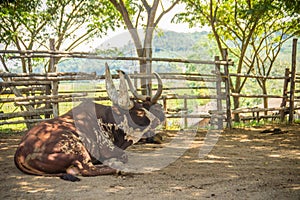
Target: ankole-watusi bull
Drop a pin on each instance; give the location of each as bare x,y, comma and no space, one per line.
76,142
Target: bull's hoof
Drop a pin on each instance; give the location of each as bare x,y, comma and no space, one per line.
114,163
156,139
70,177
124,174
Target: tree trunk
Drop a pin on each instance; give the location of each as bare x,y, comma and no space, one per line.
147,68
146,65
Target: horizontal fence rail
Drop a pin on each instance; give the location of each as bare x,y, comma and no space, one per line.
64,54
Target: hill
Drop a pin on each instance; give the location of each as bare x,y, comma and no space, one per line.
165,45
169,44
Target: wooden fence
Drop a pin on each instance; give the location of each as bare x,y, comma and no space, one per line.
43,105
38,95
288,100
35,97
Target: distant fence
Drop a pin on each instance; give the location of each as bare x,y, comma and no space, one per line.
36,96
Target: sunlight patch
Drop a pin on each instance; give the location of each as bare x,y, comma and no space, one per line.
275,156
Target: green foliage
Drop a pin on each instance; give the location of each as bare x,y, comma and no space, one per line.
291,6
252,31
29,24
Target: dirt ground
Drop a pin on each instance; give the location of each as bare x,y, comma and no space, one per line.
244,164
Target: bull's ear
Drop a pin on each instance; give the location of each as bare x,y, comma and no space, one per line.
124,99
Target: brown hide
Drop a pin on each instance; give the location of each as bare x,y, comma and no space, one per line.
88,134
98,141
55,147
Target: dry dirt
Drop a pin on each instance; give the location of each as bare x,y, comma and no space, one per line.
244,164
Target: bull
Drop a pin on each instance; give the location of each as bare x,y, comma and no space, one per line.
83,139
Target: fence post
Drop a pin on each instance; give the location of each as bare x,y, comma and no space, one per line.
219,94
185,112
54,84
285,94
293,75
135,81
47,105
227,89
165,110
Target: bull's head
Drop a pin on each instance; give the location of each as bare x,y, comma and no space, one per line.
136,117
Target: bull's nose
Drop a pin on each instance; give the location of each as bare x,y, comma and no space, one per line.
156,122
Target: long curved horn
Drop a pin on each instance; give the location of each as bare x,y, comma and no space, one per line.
143,97
110,87
159,88
120,98
124,100
133,90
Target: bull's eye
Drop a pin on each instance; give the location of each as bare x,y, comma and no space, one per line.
140,113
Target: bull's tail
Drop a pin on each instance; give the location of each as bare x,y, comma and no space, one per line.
24,167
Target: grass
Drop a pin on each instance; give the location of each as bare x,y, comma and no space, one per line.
255,123
12,128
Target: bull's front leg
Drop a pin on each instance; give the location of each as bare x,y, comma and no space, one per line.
82,165
86,170
95,170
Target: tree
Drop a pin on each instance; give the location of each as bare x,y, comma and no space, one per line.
133,13
291,6
29,24
253,32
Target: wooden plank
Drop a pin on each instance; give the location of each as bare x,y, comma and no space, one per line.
174,96
255,96
260,117
61,100
285,93
257,76
38,112
251,110
40,97
22,121
49,74
293,75
218,91
36,90
175,77
23,83
182,115
54,84
56,54
227,91
64,78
